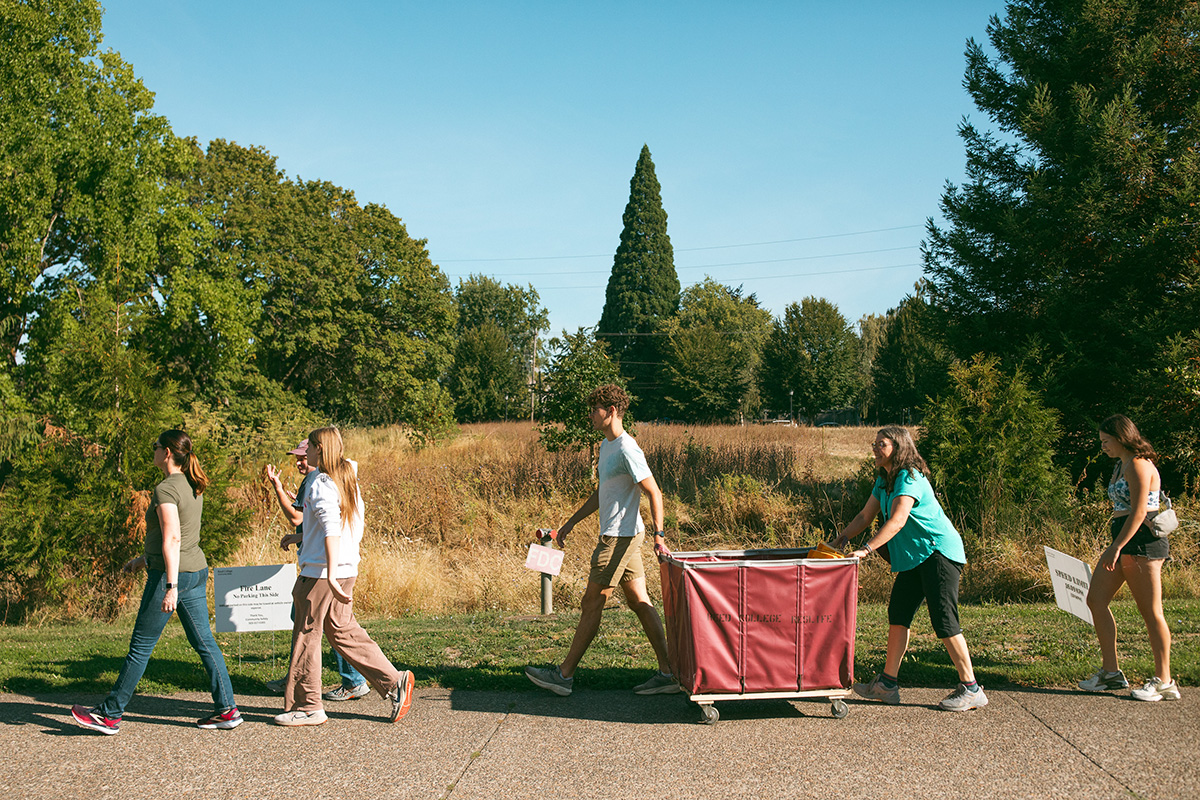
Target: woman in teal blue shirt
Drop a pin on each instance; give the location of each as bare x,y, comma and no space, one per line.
926,553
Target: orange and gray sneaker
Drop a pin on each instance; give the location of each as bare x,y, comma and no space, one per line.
401,695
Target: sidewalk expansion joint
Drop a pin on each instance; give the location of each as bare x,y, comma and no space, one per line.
476,753
1133,792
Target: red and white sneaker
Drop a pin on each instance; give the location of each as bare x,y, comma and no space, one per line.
92,718
224,721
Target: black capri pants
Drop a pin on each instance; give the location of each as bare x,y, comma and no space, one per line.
934,580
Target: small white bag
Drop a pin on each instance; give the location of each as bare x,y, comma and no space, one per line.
1164,520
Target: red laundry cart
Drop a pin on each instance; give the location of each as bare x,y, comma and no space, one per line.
756,624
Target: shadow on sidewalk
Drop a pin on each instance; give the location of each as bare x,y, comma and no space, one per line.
626,707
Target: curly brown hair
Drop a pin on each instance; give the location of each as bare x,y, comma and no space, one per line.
608,396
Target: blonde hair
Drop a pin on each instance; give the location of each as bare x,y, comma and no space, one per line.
327,443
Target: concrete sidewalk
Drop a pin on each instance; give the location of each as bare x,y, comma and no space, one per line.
466,745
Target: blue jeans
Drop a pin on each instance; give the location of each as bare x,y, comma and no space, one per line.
147,630
350,676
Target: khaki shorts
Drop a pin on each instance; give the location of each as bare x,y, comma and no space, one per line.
617,560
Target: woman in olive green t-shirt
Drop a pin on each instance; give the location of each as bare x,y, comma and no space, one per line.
176,581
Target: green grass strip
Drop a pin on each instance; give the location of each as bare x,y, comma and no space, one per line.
1032,645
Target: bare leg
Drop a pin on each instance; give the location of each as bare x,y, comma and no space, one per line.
592,607
639,601
956,646
897,644
1102,590
1145,583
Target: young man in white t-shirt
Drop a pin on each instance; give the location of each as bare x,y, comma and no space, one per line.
617,560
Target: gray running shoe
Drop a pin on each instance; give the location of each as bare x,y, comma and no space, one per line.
344,693
875,690
963,699
1156,689
276,686
1103,681
660,683
550,678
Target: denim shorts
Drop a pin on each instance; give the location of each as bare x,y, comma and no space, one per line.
1144,543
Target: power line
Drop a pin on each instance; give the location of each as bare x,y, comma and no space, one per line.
766,277
680,250
557,273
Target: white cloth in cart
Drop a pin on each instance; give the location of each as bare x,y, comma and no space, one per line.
621,467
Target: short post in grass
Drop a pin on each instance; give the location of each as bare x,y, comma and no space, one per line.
545,536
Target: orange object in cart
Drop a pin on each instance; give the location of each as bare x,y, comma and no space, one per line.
747,622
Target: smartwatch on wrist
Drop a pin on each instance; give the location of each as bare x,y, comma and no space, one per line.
172,585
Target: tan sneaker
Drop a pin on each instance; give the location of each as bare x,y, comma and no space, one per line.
292,719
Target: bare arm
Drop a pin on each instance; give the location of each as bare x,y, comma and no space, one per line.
1139,479
293,515
168,521
657,515
901,507
589,507
862,520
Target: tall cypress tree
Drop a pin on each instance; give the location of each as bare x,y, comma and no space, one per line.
643,290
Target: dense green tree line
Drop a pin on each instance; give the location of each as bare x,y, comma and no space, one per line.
1072,250
147,283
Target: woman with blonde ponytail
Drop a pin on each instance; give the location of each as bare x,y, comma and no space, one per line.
176,581
332,530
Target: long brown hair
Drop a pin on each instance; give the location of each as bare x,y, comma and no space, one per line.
327,443
1121,428
905,456
179,445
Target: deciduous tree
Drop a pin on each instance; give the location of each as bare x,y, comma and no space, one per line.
813,352
579,362
713,349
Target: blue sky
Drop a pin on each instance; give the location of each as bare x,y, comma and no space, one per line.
800,145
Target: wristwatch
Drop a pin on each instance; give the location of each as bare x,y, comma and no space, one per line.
172,585
661,533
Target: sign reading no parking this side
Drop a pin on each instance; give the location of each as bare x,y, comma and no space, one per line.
254,598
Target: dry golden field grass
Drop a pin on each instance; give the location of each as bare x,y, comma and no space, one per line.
448,527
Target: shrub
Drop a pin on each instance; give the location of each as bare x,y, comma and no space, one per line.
990,442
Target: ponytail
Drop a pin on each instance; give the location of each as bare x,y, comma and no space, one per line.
179,445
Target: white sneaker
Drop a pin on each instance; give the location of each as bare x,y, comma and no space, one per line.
291,719
1102,681
1156,689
